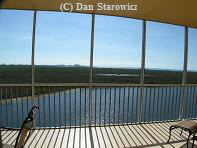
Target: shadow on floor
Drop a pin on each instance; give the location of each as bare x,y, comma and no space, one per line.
190,145
140,135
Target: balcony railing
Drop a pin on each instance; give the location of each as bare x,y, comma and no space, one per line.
70,105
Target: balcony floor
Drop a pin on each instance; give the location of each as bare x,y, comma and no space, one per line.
144,135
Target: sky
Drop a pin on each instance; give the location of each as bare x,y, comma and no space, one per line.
65,38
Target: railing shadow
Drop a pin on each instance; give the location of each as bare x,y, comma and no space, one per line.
139,135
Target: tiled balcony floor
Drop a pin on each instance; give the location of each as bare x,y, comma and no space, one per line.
140,135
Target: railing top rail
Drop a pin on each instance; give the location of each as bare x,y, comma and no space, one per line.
94,84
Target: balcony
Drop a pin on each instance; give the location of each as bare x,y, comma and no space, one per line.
138,135
97,85
119,118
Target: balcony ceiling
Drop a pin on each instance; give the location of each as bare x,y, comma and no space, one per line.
180,12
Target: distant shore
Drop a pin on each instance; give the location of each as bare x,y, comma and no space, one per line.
21,74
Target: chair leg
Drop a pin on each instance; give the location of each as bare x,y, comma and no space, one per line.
193,142
170,133
188,140
194,138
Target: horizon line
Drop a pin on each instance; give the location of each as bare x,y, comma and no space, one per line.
78,65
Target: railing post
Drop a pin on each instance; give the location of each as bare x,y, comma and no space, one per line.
91,70
142,70
32,61
184,81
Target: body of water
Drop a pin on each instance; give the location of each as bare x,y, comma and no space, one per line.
110,105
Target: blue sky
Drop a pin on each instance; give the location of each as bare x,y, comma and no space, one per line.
64,38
